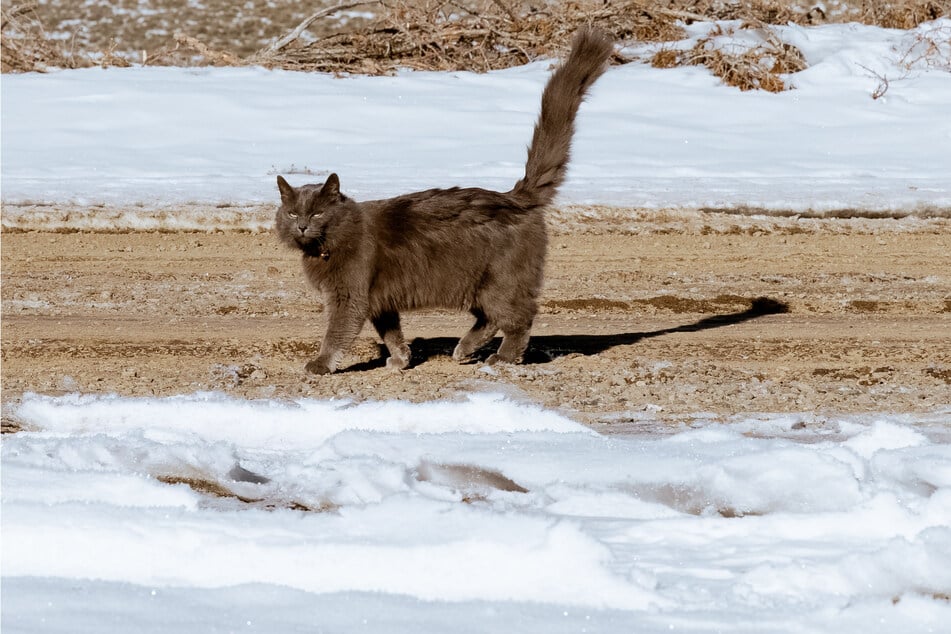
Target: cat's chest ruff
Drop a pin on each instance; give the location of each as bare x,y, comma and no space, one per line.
315,250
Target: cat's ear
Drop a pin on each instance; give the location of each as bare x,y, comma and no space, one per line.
331,188
288,193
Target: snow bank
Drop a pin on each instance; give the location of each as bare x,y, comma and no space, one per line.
198,511
285,425
647,138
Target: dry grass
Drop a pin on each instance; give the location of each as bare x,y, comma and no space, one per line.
929,48
898,14
186,49
901,14
26,46
482,35
479,36
747,67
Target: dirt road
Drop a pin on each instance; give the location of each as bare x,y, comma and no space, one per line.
658,318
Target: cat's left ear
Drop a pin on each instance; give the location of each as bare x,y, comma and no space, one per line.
331,188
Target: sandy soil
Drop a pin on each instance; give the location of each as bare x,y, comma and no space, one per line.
658,318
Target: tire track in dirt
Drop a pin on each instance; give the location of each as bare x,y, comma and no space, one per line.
852,320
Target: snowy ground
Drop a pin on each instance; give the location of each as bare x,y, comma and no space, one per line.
484,514
477,515
647,138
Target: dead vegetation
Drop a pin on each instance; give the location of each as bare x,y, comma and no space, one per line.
26,46
483,35
756,66
477,36
901,14
928,48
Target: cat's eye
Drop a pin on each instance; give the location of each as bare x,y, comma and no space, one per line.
292,214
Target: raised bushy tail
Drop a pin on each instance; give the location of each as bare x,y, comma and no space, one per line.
551,144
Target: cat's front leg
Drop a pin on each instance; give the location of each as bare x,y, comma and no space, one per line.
344,322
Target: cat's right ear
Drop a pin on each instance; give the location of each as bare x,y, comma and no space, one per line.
288,193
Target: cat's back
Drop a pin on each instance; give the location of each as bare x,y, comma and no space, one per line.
434,248
441,210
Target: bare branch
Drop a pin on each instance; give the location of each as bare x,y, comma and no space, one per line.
300,28
882,87
686,16
506,9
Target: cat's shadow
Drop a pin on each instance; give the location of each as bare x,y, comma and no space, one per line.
546,348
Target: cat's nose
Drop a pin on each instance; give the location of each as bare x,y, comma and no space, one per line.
302,229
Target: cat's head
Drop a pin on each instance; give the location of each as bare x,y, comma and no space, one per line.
307,213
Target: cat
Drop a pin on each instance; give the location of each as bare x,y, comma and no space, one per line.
468,249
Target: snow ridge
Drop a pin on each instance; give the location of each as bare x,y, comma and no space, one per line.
479,502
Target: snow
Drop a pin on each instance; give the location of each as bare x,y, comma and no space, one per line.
203,512
142,138
472,514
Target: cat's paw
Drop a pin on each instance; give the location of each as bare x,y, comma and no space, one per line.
461,355
400,360
319,366
397,364
495,359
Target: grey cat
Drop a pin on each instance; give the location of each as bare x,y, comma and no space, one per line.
466,249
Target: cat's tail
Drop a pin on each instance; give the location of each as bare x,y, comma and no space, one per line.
551,144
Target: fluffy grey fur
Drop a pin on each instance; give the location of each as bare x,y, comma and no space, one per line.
466,249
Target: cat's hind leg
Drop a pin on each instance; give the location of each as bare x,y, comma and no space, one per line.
388,327
480,334
514,342
515,322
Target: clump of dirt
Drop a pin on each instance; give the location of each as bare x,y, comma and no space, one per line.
214,489
9,425
204,486
587,304
676,304
866,306
667,303
943,374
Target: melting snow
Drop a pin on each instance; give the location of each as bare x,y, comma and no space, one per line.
186,512
140,138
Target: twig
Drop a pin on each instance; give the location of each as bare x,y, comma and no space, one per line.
17,10
686,16
882,83
300,28
507,10
219,57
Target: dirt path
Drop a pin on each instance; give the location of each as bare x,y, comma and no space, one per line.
661,320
